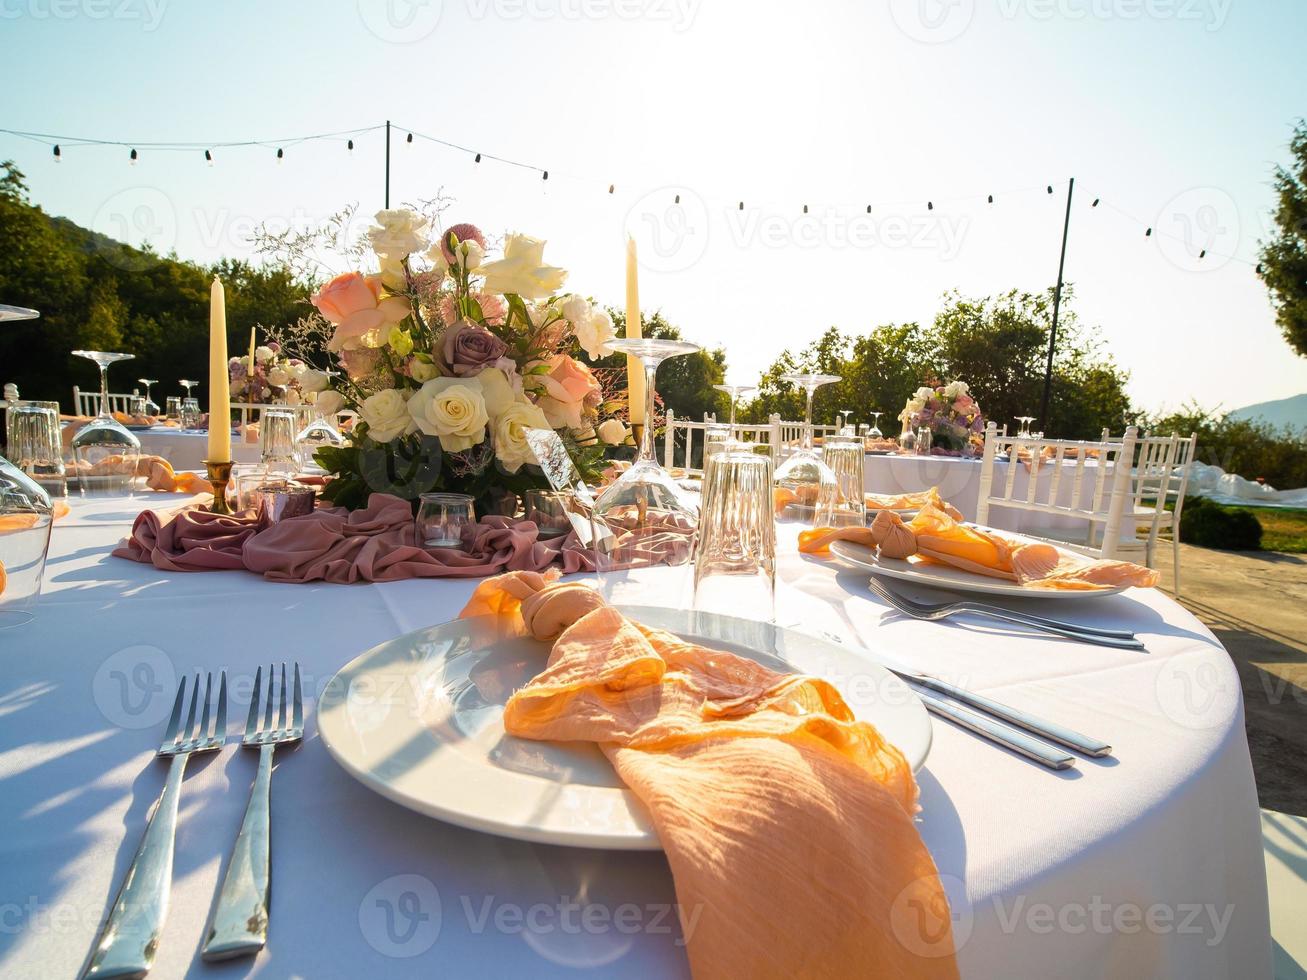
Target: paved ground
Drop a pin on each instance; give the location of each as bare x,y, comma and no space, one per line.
1256,603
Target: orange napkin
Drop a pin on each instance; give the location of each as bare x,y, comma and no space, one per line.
787,824
914,500
158,473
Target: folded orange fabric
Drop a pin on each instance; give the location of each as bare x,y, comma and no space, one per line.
20,522
818,540
787,824
158,473
911,501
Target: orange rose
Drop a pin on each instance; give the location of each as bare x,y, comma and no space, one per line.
567,387
353,302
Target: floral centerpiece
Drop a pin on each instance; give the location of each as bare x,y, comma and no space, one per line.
450,357
272,378
951,414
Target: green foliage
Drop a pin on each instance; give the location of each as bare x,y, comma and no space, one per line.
1252,448
1210,525
1284,258
998,345
685,384
98,294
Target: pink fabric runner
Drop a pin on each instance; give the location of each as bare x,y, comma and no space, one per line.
373,544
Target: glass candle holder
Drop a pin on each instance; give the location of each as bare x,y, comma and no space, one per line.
441,520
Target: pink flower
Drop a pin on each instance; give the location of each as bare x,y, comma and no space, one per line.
467,348
353,302
463,232
565,390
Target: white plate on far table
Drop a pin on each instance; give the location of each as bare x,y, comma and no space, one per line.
419,719
937,576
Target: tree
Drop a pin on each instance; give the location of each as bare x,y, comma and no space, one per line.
1284,258
685,384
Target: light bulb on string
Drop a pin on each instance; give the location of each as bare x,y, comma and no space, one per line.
678,199
410,138
280,154
611,188
58,154
930,205
477,158
869,209
349,145
805,209
1148,233
1050,188
208,157
133,157
1095,204
991,198
544,175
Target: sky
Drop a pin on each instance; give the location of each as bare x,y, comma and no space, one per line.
1171,113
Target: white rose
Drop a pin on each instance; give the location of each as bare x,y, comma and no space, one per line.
612,431
401,232
496,391
423,370
329,403
296,369
386,414
437,259
312,380
595,333
511,428
576,309
392,274
924,395
278,377
454,409
263,355
522,270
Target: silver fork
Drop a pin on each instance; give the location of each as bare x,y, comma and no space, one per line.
239,925
1119,639
130,937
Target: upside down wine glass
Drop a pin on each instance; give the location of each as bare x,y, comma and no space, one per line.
151,407
652,519
106,453
735,391
804,487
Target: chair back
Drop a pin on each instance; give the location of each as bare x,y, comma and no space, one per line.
1099,475
88,402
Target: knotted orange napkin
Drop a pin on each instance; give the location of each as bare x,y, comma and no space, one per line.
787,824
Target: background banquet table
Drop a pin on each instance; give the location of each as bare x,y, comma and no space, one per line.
186,450
1145,864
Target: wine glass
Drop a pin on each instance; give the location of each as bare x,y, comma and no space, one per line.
805,488
319,433
652,519
844,429
1024,431
875,432
188,385
735,391
106,453
151,407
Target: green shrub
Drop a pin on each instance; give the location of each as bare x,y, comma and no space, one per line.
1210,525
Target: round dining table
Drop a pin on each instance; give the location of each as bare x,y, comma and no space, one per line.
1146,863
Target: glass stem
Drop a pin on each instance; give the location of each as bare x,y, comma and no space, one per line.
647,436
104,392
807,423
734,400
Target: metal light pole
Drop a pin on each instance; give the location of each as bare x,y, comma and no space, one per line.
1057,305
387,163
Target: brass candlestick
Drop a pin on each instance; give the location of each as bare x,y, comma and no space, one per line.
219,475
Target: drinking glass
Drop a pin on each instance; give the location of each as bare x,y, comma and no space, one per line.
26,516
735,558
105,452
35,444
845,456
735,391
190,415
173,408
277,450
151,408
874,432
924,440
804,487
188,385
550,510
136,406
442,518
1024,430
316,432
845,429
715,438
652,518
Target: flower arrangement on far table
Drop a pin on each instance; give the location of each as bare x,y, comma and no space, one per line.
952,416
273,378
449,358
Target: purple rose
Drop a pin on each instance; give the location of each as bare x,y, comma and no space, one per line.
467,349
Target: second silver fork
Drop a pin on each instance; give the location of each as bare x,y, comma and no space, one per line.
239,924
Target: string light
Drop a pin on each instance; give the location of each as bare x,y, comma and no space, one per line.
208,157
741,205
805,209
280,153
544,175
133,156
930,205
610,188
1050,188
678,198
478,158
991,198
410,138
1148,233
57,153
1095,204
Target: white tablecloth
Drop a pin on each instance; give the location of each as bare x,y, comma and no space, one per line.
1147,864
186,450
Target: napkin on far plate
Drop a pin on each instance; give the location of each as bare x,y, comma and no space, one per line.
787,824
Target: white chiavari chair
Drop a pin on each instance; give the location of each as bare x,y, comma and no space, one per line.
1159,484
1088,517
1149,480
88,402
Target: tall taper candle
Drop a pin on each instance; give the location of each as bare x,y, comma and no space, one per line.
634,368
219,396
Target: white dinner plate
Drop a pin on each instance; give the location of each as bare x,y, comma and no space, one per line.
419,719
946,577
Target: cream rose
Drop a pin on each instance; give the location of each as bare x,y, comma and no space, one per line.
453,409
263,355
279,377
594,334
612,432
522,270
329,403
313,380
420,370
511,447
386,415
400,232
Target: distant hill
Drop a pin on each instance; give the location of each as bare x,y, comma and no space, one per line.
1286,412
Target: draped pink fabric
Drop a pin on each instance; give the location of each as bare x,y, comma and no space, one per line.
372,544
